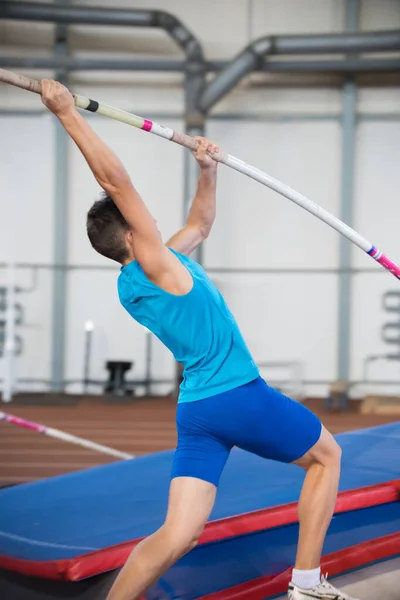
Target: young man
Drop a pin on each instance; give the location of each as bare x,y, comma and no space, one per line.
223,401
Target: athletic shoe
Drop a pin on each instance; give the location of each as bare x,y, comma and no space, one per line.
322,591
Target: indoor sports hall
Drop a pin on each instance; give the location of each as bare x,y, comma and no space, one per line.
301,102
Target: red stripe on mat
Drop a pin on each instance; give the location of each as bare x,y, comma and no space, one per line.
338,562
287,513
113,557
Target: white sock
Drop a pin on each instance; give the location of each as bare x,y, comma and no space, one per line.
306,579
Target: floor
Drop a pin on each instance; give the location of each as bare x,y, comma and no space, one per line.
377,581
139,427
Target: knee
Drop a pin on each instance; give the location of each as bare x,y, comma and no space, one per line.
181,541
185,542
335,452
326,453
333,455
188,541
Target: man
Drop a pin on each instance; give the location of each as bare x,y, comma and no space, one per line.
223,402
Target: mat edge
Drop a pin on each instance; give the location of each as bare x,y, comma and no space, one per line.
114,557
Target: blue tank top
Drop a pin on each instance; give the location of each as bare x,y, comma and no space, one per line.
198,328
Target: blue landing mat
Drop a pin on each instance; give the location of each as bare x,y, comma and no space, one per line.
67,516
239,560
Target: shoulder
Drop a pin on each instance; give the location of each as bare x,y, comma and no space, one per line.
130,278
186,260
130,272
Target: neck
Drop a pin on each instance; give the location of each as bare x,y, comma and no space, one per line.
129,259
127,262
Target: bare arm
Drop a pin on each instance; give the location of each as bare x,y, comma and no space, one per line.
157,262
202,213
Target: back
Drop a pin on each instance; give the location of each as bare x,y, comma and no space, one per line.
198,328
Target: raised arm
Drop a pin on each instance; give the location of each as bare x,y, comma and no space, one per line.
160,265
202,213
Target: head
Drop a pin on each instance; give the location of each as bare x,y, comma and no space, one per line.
108,232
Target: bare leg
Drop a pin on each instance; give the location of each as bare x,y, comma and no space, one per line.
317,499
190,503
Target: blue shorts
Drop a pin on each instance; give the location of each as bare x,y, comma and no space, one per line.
253,417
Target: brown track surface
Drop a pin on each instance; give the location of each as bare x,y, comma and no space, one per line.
139,427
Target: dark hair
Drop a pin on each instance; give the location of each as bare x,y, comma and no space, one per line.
106,227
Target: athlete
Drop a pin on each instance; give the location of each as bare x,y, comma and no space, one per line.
223,401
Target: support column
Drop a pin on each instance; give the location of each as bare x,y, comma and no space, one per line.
349,127
194,125
60,233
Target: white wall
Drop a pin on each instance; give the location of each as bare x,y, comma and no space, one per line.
377,214
27,176
283,317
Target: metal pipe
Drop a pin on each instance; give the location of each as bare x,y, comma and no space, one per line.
64,13
349,126
273,116
85,64
349,130
60,228
347,43
87,355
300,66
254,55
246,62
374,357
9,340
194,84
349,65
